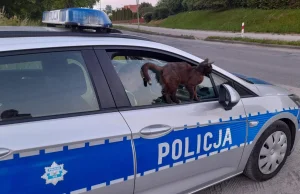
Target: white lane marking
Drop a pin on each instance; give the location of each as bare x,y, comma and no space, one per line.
116,139
164,167
76,146
213,153
79,191
97,142
223,150
98,186
178,163
117,181
242,145
54,149
149,171
233,147
190,160
29,153
202,156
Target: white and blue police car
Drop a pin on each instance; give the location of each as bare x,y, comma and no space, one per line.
76,118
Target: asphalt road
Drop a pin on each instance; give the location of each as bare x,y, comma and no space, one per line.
276,65
280,66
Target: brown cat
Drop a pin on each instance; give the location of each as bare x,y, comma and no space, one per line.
173,74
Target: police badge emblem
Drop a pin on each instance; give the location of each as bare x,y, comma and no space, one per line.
54,173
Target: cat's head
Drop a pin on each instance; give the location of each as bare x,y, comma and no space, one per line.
205,67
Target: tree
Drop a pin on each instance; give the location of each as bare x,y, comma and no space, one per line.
108,9
145,7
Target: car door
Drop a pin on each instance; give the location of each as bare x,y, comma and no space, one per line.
59,129
178,148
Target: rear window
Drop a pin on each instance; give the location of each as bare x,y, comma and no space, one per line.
45,84
33,65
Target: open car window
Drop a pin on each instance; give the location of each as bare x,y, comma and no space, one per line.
128,63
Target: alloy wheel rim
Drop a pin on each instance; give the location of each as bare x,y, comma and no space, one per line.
272,152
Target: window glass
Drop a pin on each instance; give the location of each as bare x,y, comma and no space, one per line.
220,80
45,84
128,66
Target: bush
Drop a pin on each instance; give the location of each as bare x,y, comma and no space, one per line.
163,13
160,13
155,15
148,17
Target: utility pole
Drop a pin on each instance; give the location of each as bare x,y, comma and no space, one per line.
138,14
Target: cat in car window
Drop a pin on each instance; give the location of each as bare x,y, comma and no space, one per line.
174,74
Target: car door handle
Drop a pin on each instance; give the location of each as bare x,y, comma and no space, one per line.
4,152
155,131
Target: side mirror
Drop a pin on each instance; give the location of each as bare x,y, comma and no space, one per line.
229,97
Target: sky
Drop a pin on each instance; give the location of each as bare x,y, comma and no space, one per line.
120,3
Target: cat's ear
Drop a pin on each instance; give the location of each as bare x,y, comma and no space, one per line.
205,61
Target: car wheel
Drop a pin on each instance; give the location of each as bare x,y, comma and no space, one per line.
269,153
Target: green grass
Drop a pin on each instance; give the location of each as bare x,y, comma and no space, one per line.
259,41
256,20
15,21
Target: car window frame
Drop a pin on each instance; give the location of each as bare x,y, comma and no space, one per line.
115,83
99,84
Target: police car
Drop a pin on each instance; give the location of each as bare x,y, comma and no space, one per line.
76,118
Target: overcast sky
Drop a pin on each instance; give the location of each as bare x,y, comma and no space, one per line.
121,3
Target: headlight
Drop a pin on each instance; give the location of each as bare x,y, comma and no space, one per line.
295,98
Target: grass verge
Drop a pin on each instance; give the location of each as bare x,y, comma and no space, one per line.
256,20
151,33
15,21
256,41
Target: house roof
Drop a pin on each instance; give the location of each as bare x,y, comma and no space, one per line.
133,8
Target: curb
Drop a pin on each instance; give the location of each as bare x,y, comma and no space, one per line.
253,43
213,40
158,34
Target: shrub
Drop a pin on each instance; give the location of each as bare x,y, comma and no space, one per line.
163,12
155,15
148,17
160,13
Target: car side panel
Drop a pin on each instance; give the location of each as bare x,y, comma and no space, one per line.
192,123
266,110
95,152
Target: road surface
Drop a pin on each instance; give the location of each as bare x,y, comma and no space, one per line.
280,66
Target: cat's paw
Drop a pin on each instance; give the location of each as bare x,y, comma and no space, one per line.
178,102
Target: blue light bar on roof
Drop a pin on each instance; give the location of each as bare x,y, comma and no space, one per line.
77,17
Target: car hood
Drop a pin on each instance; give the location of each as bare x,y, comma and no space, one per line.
265,88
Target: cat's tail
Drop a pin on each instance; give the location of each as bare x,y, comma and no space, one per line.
144,72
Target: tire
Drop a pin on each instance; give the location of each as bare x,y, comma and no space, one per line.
252,169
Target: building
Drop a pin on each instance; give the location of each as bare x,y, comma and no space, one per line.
133,8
